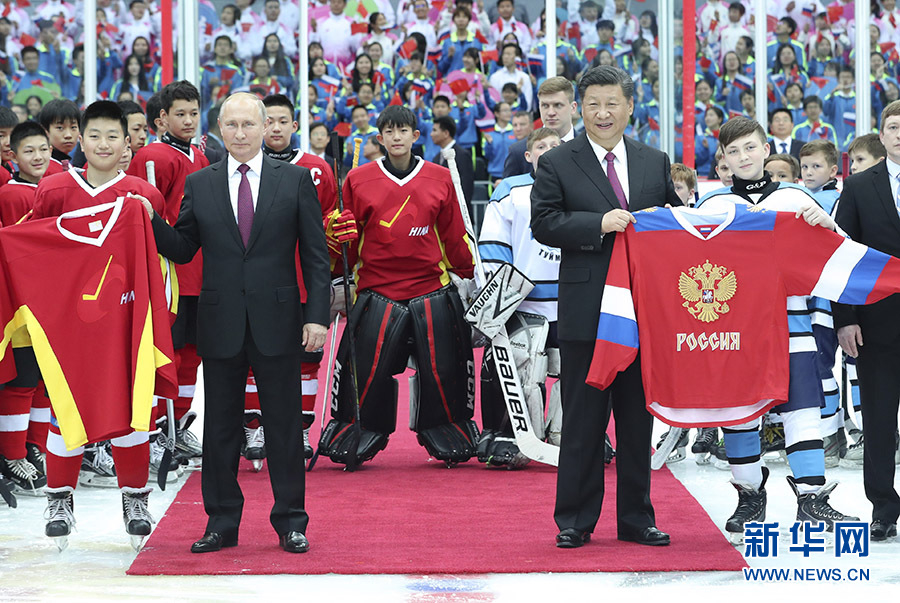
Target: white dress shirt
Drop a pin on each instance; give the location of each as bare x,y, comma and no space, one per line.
234,180
777,145
620,163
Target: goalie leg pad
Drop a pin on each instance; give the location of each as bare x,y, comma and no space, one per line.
443,354
335,443
450,442
382,329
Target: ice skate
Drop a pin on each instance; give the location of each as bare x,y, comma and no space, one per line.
307,447
157,452
6,492
814,507
704,444
255,446
60,515
26,478
719,455
187,445
136,515
835,447
853,458
771,440
751,507
36,457
671,448
97,468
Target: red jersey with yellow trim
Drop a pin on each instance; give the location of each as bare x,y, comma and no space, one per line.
88,287
16,200
411,231
172,169
68,191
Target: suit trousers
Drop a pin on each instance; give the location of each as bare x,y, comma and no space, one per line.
586,411
879,393
278,382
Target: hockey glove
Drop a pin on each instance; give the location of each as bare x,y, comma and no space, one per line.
340,228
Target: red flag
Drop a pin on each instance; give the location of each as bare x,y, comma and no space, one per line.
821,82
378,78
490,55
352,101
589,54
480,36
771,21
6,10
104,94
654,125
111,29
209,29
835,12
362,11
886,47
27,40
23,3
60,24
409,47
395,100
245,27
342,129
713,25
705,62
574,31
734,113
460,86
359,28
715,134
438,4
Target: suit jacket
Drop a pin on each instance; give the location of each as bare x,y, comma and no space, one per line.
466,171
571,194
794,150
867,213
256,285
515,163
215,150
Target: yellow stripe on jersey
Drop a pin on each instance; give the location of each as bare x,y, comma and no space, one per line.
11,334
145,375
170,283
21,338
70,424
444,264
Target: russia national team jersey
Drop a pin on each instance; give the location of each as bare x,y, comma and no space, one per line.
703,295
88,287
777,196
16,200
172,167
506,237
411,230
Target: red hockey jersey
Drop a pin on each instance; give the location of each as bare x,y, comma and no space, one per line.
703,296
88,287
172,168
69,191
411,230
16,200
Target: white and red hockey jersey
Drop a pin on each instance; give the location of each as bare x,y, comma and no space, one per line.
89,288
703,295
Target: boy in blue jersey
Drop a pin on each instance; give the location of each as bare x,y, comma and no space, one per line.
818,165
745,149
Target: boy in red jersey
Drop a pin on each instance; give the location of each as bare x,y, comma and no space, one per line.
24,409
277,145
103,139
413,235
8,121
174,157
60,118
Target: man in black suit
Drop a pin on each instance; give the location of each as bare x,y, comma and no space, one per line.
556,103
583,192
781,125
249,213
443,133
867,211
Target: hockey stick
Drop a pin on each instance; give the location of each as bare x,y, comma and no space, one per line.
7,495
329,375
355,433
665,449
169,441
526,439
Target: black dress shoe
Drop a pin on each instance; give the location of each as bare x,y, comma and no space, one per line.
570,538
213,541
882,530
294,542
649,536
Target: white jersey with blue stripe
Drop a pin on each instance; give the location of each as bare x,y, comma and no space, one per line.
784,197
506,237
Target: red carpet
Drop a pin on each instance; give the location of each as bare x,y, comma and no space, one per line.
405,514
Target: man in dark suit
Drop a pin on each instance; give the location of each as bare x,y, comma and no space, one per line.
583,192
781,125
867,211
249,213
556,103
443,134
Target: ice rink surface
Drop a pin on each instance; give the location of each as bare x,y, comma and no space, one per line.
93,566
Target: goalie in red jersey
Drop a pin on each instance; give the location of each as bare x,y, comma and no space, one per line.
411,236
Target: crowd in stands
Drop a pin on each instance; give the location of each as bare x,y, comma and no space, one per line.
481,65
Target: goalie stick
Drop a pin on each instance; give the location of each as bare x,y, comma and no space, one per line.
526,439
665,449
168,440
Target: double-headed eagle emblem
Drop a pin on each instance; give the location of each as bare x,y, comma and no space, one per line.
707,291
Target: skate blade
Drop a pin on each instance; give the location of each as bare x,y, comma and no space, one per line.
832,462
702,458
736,538
61,542
850,464
677,456
257,465
137,542
721,465
36,492
776,456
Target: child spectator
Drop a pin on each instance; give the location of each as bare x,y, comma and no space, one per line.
782,168
865,151
685,181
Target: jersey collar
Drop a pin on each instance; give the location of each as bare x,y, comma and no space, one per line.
115,206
